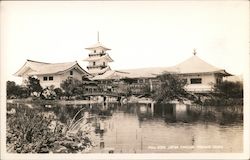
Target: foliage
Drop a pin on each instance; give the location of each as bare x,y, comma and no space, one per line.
172,88
227,89
48,93
219,101
59,92
30,131
72,87
34,86
16,91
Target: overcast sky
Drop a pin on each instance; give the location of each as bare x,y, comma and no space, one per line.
140,34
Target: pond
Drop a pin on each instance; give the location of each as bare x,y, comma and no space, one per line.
156,128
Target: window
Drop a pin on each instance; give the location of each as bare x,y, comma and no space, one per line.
103,64
85,78
196,81
50,78
71,73
45,78
94,51
93,63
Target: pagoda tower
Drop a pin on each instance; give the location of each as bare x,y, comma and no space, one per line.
98,59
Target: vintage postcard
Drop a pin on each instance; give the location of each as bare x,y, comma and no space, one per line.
125,80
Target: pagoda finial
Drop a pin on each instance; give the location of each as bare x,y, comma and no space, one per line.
194,51
97,36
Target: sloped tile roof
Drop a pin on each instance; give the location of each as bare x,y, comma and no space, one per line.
192,65
96,58
97,45
41,68
195,65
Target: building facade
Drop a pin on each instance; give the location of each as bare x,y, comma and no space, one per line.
51,73
198,74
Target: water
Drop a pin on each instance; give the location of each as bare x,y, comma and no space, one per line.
159,128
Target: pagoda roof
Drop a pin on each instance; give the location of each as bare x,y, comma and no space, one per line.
97,45
41,68
96,58
99,71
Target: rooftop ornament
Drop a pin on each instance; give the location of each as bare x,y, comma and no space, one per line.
194,51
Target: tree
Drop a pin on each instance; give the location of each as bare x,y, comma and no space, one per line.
172,88
229,89
16,91
11,89
34,86
72,87
59,92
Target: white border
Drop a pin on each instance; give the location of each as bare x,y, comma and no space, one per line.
5,155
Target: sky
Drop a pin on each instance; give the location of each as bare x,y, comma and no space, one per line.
141,33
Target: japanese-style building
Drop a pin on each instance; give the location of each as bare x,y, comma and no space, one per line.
52,73
98,59
199,75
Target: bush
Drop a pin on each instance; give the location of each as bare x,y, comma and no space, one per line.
34,86
227,89
72,87
59,92
30,131
216,101
16,91
172,88
48,93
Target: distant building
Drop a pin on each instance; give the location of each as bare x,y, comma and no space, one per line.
199,75
98,59
51,73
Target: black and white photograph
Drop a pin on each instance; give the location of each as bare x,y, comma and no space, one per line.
125,79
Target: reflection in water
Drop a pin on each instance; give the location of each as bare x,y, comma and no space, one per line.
141,128
147,128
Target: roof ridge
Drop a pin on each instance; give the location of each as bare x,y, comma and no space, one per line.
36,61
159,67
64,62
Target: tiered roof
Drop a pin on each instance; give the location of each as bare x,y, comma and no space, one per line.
96,58
97,45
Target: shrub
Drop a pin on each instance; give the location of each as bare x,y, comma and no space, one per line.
32,131
229,89
16,91
72,87
172,88
34,86
48,93
59,92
